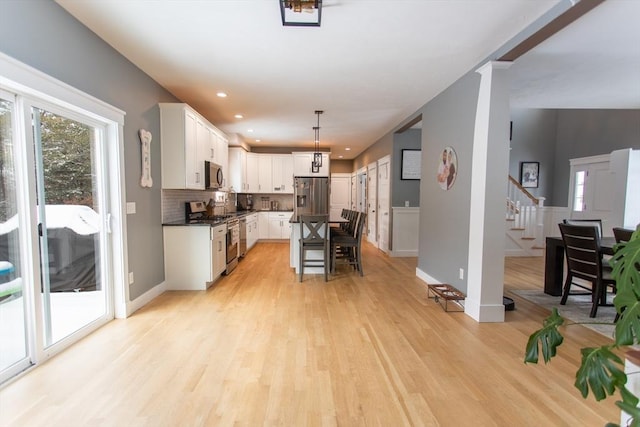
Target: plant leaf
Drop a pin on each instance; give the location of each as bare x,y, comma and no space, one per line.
626,272
548,338
602,371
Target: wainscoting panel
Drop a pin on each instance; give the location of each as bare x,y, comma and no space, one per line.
405,231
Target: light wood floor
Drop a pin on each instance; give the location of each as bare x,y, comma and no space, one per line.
259,348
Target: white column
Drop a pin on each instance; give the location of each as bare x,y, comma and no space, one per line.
489,171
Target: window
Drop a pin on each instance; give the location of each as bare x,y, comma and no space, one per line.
578,191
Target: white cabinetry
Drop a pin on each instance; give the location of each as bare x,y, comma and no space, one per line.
253,180
302,164
219,249
221,149
264,174
252,230
194,256
279,225
238,169
282,173
187,140
263,225
179,148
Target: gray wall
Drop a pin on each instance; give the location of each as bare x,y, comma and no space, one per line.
447,120
44,36
553,137
404,190
533,140
583,133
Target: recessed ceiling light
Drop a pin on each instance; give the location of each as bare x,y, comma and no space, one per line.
258,140
348,149
250,130
239,116
221,95
339,157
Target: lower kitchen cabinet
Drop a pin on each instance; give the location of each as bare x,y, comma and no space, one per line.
252,230
263,225
194,256
279,225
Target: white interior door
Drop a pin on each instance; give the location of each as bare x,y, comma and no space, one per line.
372,203
384,186
591,190
340,195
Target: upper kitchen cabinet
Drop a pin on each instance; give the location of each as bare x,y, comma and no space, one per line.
187,140
221,156
282,173
253,179
302,164
238,170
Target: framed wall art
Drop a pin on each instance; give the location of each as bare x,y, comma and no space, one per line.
410,167
529,174
447,168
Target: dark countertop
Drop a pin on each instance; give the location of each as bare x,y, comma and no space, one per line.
217,220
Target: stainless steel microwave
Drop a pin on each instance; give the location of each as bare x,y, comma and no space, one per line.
212,176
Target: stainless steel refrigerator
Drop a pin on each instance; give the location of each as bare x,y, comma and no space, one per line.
311,196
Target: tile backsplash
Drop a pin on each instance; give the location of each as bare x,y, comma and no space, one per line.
173,202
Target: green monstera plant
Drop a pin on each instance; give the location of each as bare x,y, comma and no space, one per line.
602,370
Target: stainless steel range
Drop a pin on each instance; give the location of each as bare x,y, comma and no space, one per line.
233,243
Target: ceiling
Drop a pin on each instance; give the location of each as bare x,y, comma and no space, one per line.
369,66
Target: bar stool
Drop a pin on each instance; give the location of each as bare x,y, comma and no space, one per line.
313,236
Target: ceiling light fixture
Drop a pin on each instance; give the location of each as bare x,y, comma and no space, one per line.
239,116
221,95
301,13
348,149
316,163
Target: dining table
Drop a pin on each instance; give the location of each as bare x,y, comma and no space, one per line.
554,262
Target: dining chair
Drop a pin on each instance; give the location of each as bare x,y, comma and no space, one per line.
622,234
584,261
313,236
596,222
347,248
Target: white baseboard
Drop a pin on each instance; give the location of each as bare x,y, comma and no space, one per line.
426,278
145,298
403,253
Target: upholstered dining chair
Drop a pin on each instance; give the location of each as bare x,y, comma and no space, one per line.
584,261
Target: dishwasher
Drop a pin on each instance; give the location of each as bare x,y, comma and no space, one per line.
243,236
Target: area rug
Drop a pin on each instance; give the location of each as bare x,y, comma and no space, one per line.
576,310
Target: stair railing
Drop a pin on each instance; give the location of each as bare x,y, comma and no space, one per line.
523,210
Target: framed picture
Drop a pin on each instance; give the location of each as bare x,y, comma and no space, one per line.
447,168
411,161
529,174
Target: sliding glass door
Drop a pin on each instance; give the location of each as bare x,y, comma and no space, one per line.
55,284
14,338
70,199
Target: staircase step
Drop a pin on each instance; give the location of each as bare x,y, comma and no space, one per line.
517,228
528,238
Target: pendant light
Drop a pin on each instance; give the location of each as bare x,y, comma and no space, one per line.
316,163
